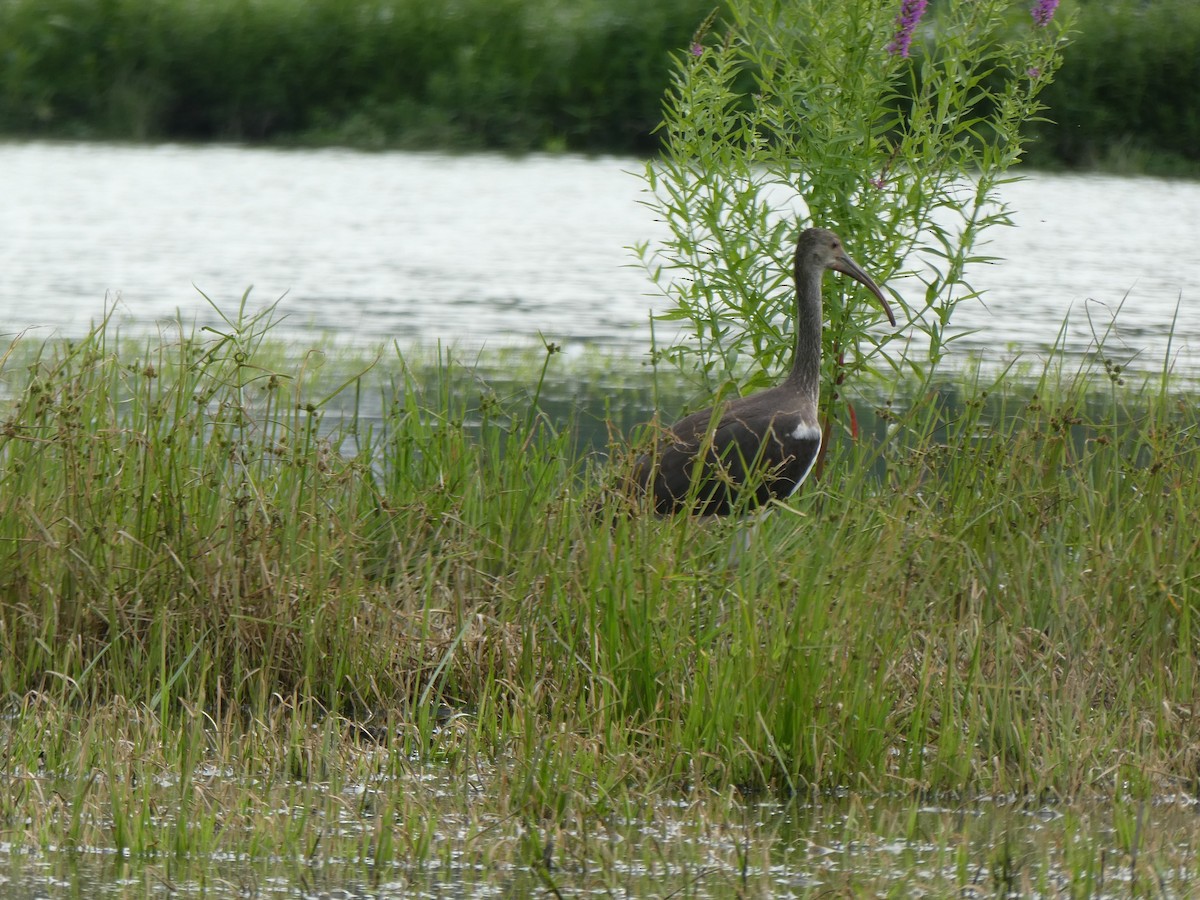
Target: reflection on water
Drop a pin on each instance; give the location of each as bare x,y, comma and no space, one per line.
485,249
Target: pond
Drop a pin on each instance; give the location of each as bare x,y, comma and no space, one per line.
837,845
491,250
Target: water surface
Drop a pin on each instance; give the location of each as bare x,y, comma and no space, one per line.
490,250
832,846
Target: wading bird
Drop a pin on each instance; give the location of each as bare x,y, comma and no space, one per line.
769,440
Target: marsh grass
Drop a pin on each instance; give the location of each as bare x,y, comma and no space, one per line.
213,587
282,798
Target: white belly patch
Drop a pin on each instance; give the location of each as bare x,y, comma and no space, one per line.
806,432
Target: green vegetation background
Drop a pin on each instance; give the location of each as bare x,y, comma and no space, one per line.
584,75
202,552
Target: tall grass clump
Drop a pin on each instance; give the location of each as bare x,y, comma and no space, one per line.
179,522
992,594
167,523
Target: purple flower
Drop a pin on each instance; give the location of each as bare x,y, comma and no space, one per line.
1043,12
697,49
879,182
1034,72
906,23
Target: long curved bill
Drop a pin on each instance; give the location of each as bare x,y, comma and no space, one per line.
847,266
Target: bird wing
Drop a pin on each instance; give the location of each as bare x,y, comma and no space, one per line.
691,453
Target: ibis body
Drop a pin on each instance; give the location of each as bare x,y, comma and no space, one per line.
768,441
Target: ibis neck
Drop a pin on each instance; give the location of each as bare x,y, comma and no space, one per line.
805,376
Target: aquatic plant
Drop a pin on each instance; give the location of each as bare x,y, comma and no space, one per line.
368,622
802,114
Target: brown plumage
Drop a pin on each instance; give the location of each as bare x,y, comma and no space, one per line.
773,436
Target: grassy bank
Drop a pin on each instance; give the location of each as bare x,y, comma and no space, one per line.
230,618
994,592
519,74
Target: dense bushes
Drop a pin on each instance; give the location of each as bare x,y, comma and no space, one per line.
499,73
1126,91
509,74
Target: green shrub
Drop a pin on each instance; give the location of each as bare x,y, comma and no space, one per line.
1127,87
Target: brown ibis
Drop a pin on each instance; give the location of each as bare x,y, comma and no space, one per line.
768,440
